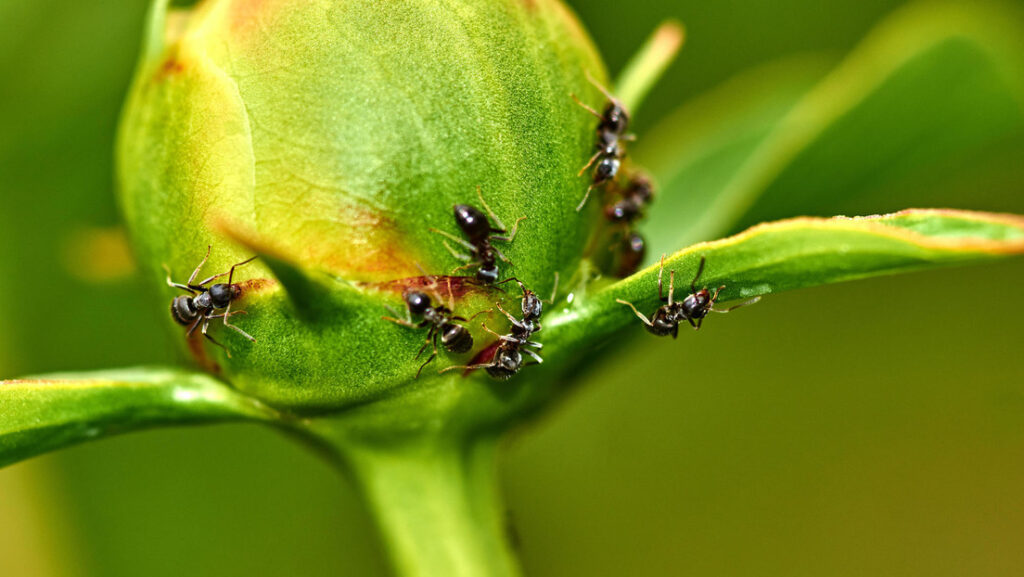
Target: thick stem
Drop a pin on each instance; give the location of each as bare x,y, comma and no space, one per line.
435,500
438,508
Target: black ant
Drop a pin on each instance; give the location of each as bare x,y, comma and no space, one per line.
454,338
634,201
475,225
632,249
693,309
198,308
611,129
508,356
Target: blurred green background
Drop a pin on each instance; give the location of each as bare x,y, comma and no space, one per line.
867,428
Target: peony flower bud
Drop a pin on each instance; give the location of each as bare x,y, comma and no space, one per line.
330,137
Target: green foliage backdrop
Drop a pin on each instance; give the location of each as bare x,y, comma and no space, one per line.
866,427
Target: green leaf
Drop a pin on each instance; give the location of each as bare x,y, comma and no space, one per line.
697,151
934,82
46,413
649,63
799,253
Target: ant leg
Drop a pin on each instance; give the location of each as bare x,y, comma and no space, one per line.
511,318
476,314
486,328
173,284
451,297
515,280
500,254
466,367
408,318
451,236
456,254
227,310
206,325
490,213
533,344
431,337
586,196
671,285
585,107
734,307
661,269
192,328
554,291
233,327
700,271
431,358
402,322
636,312
534,355
695,325
512,236
198,268
230,274
590,162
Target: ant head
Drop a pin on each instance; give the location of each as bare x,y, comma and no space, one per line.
622,211
615,118
472,222
640,188
221,294
417,302
606,169
487,273
698,304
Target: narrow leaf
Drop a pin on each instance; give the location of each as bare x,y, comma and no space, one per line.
934,82
697,151
799,253
46,413
647,66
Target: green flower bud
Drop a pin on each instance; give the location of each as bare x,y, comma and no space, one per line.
333,136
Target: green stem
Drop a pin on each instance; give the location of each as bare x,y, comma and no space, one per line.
435,499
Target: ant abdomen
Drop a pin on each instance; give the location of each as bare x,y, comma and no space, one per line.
183,311
505,364
456,338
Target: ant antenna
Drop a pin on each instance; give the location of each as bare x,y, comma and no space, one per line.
700,271
554,291
585,107
195,273
585,198
603,90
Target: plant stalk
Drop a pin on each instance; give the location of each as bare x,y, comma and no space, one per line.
435,500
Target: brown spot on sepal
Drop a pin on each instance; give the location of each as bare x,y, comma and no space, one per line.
197,348
255,286
455,287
